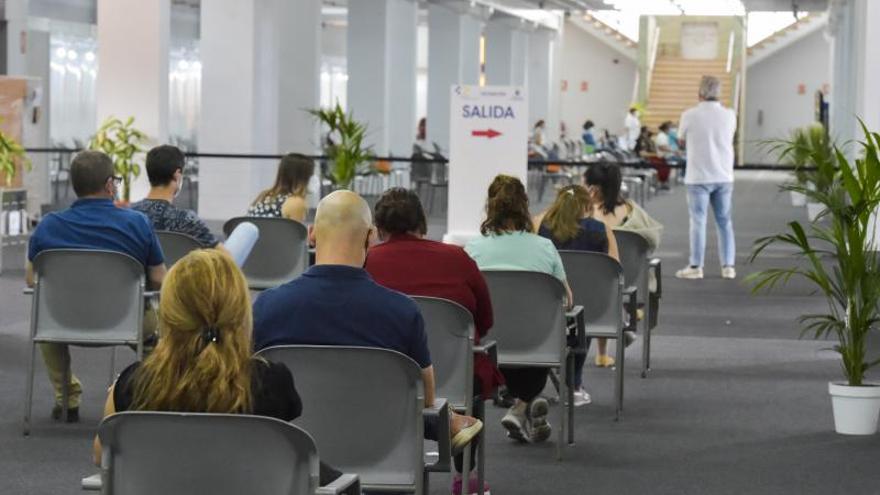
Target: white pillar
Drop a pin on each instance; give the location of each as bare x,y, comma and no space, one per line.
507,47
260,73
382,71
16,17
132,80
453,58
855,89
539,78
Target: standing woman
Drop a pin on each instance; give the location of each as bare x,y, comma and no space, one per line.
569,224
287,198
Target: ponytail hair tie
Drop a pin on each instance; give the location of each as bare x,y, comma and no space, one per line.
210,334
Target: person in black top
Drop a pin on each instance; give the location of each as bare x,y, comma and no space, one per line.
203,361
570,225
165,170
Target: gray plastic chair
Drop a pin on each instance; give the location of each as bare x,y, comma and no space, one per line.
146,453
450,330
88,298
531,328
634,257
280,255
596,281
363,406
176,245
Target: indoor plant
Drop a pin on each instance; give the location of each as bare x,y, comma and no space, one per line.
121,141
11,153
840,260
806,147
344,145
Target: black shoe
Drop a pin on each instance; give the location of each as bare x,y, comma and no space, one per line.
629,337
72,414
502,398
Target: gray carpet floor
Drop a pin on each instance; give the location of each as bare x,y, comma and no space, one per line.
735,404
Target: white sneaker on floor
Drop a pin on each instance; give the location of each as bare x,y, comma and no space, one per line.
690,273
515,423
728,272
582,398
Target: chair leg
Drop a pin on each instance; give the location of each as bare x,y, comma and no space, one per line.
569,385
621,358
480,411
646,352
29,391
563,392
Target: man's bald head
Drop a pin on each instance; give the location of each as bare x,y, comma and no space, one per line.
343,223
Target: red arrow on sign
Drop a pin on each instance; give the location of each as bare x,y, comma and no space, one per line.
488,133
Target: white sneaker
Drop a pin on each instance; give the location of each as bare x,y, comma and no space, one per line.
582,398
515,423
728,272
690,273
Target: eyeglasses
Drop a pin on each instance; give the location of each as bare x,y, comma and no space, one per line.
117,179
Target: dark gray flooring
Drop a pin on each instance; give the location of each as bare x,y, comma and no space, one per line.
735,404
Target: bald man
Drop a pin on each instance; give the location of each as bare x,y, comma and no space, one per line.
336,302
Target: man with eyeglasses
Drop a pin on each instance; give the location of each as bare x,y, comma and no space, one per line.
94,222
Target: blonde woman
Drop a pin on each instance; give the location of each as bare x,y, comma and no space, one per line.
203,362
569,224
287,198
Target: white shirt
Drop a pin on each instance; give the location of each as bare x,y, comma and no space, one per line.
633,129
707,130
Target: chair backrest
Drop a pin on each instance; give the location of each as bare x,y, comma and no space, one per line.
363,406
634,252
529,317
596,280
176,245
450,329
146,453
84,296
280,255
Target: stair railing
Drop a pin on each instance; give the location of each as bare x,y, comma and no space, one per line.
652,59
730,51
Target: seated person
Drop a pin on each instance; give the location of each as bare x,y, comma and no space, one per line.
590,144
603,181
569,225
165,170
413,265
93,222
509,244
336,302
203,363
287,198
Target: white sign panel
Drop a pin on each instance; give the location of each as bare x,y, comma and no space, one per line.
488,136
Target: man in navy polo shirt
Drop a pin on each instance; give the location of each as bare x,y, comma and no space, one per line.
93,222
337,303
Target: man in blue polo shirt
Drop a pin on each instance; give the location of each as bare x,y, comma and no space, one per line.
93,222
337,303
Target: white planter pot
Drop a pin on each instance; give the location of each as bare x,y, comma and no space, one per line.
813,210
856,409
798,199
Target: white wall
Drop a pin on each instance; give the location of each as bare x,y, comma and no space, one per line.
610,77
772,92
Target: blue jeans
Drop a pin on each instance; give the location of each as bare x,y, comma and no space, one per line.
699,197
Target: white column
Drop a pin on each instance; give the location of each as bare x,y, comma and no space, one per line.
300,75
855,90
260,75
507,47
382,71
453,58
543,80
132,80
16,16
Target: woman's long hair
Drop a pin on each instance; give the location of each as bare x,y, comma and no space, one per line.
507,207
607,179
203,360
294,173
563,219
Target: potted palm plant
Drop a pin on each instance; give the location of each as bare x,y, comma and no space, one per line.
344,146
121,141
11,154
805,148
840,259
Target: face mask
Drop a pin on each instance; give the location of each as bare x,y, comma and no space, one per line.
179,187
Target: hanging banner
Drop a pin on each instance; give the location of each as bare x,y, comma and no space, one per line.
488,136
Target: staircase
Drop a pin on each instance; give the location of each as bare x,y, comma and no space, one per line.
675,84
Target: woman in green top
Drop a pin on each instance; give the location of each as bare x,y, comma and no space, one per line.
508,243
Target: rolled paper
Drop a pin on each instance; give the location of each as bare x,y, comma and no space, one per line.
241,241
